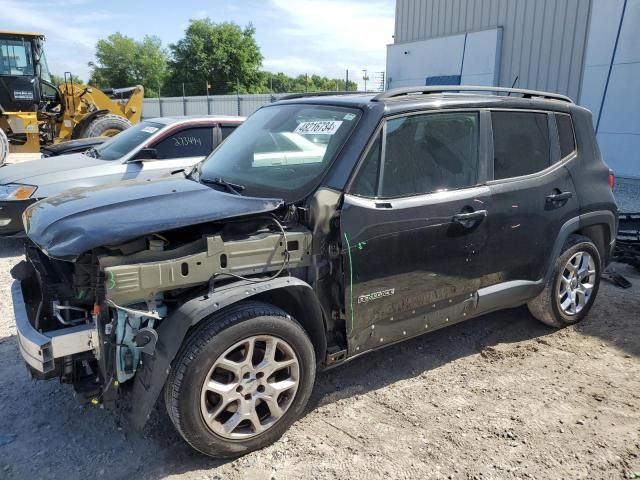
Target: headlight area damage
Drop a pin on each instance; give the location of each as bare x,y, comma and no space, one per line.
103,320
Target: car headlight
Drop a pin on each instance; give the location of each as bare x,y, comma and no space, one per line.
14,191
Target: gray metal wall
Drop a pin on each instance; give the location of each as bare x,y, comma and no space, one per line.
543,41
243,105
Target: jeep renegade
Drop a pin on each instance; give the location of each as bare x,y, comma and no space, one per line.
323,228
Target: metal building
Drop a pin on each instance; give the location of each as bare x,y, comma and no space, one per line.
587,49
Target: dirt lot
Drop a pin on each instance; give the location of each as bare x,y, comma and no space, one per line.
498,397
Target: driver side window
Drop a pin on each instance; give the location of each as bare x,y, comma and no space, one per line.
423,154
366,182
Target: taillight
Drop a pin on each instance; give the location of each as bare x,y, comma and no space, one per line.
612,179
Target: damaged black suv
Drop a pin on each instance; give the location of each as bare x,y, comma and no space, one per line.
323,228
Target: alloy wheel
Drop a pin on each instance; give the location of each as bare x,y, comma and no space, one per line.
250,387
576,283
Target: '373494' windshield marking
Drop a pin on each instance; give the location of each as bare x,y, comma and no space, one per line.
186,141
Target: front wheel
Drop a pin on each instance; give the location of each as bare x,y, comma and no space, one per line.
4,147
240,380
572,288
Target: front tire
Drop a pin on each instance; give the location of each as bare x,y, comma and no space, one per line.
4,147
106,126
572,288
240,380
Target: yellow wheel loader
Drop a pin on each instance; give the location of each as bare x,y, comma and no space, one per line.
34,112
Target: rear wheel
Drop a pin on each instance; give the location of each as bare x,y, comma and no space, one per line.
240,380
106,126
4,147
570,292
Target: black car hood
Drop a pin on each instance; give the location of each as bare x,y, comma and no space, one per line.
65,226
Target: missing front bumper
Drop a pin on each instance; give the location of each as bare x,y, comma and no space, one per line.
40,350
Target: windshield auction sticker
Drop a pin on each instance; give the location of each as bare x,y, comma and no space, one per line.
327,127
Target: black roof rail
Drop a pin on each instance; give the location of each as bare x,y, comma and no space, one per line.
293,96
399,92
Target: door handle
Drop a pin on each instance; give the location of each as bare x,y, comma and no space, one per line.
559,197
465,219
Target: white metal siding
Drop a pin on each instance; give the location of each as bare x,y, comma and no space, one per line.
543,41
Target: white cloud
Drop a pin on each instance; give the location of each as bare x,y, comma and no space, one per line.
71,38
341,34
292,65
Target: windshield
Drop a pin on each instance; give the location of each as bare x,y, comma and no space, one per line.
281,151
15,57
125,141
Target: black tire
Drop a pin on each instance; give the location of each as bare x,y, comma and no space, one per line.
4,147
204,345
546,306
108,125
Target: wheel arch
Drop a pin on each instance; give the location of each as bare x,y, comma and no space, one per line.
302,304
291,294
599,226
78,130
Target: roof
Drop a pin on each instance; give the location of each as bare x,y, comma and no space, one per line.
414,98
21,34
197,119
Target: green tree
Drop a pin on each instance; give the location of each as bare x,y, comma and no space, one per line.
122,61
222,54
58,80
282,83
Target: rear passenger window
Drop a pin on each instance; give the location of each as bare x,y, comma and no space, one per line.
190,142
520,143
565,134
428,153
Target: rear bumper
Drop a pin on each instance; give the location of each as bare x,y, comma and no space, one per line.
11,217
41,350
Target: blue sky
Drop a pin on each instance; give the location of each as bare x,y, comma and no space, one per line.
296,36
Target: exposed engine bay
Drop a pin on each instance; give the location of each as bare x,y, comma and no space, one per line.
109,302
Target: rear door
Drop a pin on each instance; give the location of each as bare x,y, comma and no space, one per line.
532,192
414,225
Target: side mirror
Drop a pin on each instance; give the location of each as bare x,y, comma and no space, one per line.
146,154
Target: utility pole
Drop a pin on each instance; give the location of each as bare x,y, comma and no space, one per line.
208,103
346,82
365,78
159,100
184,101
238,94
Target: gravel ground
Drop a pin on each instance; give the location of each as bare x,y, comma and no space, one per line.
501,396
498,397
627,194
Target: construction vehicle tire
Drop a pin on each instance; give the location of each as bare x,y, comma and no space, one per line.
4,147
106,126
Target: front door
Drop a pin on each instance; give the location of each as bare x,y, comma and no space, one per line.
414,227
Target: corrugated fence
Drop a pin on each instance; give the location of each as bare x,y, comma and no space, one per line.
243,105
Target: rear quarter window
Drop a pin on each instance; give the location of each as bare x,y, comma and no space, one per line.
521,144
227,130
566,136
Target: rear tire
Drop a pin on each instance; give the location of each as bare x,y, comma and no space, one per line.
106,126
225,394
572,287
4,147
